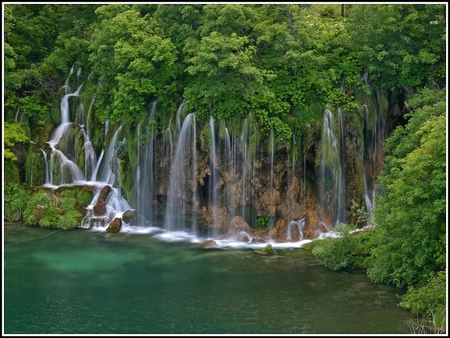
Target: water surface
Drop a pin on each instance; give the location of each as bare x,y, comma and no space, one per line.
86,282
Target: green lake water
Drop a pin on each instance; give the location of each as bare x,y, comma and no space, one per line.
85,282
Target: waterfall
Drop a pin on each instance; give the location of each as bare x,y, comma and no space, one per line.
300,224
63,167
97,166
373,134
214,204
341,200
47,177
110,166
178,115
147,181
231,160
369,193
236,167
331,171
89,155
194,185
180,193
140,217
271,206
65,118
245,134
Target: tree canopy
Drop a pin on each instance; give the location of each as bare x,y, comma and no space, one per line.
275,61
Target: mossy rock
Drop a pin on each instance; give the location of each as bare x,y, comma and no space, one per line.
207,243
267,250
62,208
115,225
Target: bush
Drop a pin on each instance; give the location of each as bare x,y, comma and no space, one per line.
263,222
351,251
15,199
64,211
429,300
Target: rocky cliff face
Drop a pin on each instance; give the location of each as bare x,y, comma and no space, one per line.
277,189
267,189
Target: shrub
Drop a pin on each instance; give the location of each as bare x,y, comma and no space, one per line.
64,211
351,251
428,300
15,198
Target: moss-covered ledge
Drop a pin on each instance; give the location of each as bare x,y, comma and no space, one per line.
63,207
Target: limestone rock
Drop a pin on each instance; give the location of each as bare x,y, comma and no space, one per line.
128,216
208,242
104,193
115,225
99,209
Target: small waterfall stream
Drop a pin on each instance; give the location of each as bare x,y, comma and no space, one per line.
213,192
181,173
332,178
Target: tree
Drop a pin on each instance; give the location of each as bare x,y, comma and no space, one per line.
134,65
227,78
400,44
411,211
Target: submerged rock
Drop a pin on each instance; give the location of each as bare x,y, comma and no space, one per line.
208,242
267,250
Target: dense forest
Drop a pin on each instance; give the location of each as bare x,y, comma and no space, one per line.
281,64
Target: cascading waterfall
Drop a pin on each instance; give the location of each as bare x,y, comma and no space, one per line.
65,118
47,177
372,135
146,184
213,182
90,160
245,134
300,224
111,165
230,151
292,176
369,193
332,179
140,218
341,209
65,152
272,206
181,194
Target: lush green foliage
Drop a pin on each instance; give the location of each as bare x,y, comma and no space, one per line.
350,251
429,299
280,62
63,210
400,45
14,133
411,212
262,222
15,200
